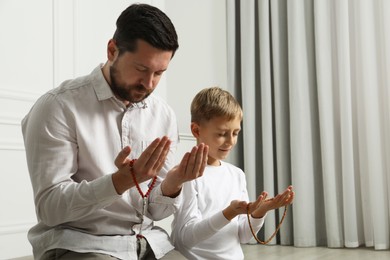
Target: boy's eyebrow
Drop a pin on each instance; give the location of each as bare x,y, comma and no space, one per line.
224,129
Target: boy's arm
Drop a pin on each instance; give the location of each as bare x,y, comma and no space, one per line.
189,226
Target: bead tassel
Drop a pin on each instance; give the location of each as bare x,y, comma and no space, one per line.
151,186
144,196
276,231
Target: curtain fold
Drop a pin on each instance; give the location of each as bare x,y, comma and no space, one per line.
312,77
328,98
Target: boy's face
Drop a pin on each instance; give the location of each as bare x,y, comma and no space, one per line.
219,134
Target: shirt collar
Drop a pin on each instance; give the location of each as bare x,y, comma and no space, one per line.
103,90
100,85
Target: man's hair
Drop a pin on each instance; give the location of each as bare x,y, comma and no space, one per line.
147,23
214,102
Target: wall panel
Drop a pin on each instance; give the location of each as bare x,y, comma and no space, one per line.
48,41
26,71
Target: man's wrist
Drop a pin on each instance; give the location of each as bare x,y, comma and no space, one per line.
121,183
170,190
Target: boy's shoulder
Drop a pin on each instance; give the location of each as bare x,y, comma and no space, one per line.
232,167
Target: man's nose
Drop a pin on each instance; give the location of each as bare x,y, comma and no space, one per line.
148,81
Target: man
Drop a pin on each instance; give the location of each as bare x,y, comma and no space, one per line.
88,205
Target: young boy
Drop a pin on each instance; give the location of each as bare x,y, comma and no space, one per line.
212,220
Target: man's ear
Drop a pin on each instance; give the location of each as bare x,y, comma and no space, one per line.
112,50
195,129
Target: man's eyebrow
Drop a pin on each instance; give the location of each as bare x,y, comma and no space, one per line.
140,65
146,67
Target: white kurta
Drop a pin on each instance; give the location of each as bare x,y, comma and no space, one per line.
199,229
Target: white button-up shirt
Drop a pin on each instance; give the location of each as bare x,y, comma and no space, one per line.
72,135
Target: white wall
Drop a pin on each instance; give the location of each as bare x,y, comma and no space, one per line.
25,71
47,41
201,59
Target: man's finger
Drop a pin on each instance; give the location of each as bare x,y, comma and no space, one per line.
204,161
148,153
121,158
184,162
144,157
158,154
161,161
191,161
199,160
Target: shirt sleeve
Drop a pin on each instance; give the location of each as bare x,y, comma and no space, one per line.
189,228
51,151
245,233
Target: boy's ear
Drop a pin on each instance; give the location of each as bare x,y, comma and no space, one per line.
195,129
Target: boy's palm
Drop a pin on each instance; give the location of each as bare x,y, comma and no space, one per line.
262,205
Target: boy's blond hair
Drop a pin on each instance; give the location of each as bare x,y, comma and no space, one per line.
214,102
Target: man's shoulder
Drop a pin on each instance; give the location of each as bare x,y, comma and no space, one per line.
80,83
75,84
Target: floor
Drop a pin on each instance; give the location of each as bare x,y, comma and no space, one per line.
256,252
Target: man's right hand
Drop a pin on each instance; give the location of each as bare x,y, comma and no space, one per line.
146,167
191,167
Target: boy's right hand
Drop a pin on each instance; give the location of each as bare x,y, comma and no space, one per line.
261,206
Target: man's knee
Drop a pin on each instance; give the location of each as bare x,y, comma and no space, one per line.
63,254
173,255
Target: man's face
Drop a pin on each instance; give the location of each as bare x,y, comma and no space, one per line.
134,76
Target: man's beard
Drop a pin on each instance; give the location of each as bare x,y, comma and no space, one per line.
122,91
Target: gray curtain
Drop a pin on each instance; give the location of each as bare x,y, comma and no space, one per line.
313,79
